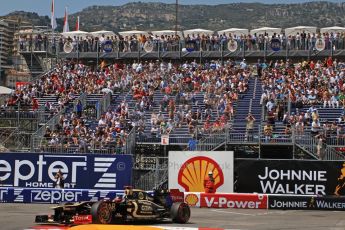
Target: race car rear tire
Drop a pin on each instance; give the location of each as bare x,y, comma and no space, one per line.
101,213
180,213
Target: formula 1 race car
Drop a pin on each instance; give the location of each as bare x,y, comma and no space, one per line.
135,205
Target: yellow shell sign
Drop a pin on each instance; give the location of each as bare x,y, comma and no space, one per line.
194,172
191,199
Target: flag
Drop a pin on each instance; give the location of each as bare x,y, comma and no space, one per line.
65,22
77,24
53,19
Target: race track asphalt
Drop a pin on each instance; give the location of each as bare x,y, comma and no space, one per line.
21,216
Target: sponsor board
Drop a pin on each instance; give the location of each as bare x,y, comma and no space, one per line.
148,46
192,199
275,44
188,170
307,202
247,201
32,170
4,196
68,47
232,45
108,46
191,45
52,196
320,44
290,177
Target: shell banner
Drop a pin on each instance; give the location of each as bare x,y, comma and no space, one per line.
195,171
232,45
68,47
320,44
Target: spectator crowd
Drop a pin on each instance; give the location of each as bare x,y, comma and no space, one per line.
159,97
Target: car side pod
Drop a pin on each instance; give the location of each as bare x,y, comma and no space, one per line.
102,212
180,212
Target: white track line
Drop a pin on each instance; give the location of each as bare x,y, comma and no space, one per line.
237,213
258,214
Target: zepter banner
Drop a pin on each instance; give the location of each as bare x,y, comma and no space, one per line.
232,45
148,46
82,171
193,171
68,47
320,44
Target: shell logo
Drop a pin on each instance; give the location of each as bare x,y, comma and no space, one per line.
191,199
193,172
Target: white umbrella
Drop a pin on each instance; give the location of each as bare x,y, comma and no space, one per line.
133,32
167,32
333,29
234,31
269,30
300,29
77,33
101,32
5,90
198,31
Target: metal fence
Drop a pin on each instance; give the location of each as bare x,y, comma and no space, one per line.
197,44
157,174
103,104
78,145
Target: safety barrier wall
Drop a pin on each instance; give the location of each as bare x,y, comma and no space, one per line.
51,196
226,200
265,201
201,200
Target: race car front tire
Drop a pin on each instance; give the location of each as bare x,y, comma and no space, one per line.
180,213
101,213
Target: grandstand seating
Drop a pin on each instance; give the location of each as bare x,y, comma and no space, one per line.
248,101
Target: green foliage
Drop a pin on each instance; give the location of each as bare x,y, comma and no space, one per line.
159,16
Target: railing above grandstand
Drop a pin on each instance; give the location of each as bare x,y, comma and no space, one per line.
141,41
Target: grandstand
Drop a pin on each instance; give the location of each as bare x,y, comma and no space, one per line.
125,105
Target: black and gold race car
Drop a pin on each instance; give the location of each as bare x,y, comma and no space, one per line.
135,205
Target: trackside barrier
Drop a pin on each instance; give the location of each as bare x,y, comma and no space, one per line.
292,202
265,201
226,200
52,196
201,200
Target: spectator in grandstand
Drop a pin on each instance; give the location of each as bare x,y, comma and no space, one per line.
243,64
79,109
341,98
268,132
315,127
192,144
288,130
154,131
270,105
320,146
249,126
